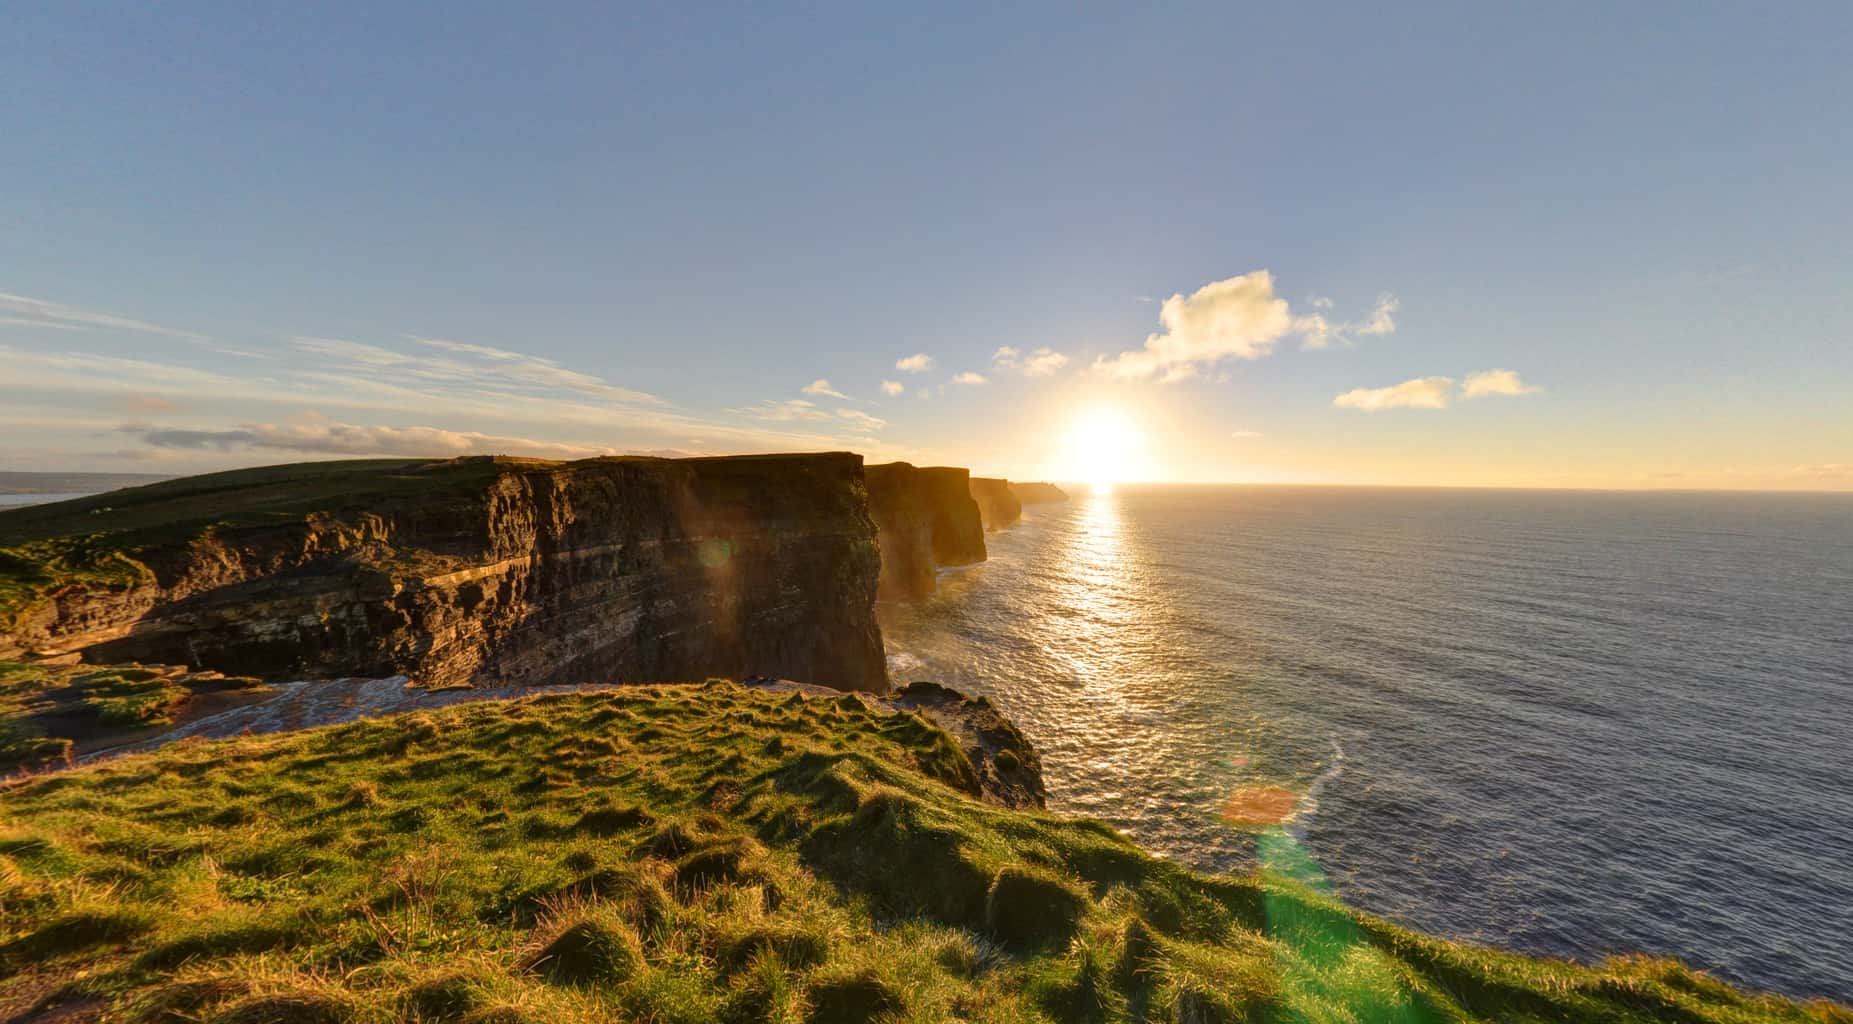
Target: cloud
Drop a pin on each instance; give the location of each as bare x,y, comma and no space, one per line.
968,377
1239,317
919,362
792,409
1317,331
859,420
19,310
481,364
327,438
1382,316
1420,393
1245,435
1495,382
822,387
1043,362
150,404
892,387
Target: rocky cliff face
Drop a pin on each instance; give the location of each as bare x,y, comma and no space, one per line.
472,570
997,504
924,518
1038,493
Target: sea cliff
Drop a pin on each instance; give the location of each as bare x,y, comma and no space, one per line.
998,506
477,570
1038,493
925,518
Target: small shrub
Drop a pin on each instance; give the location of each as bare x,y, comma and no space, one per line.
585,950
610,820
1027,909
853,999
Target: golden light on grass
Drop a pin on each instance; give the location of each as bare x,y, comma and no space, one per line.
1103,446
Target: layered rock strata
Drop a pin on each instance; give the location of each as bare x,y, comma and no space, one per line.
924,518
480,570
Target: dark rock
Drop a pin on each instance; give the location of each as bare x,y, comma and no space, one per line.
1038,493
998,505
488,571
924,518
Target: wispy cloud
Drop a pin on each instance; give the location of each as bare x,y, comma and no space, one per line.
1043,362
789,410
892,387
484,364
861,421
969,378
1316,330
821,387
330,438
19,310
919,362
1420,393
1495,382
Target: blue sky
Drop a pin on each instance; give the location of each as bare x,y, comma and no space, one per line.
235,234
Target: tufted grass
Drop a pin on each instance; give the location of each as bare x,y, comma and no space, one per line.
689,853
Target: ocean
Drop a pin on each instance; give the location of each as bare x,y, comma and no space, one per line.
1568,723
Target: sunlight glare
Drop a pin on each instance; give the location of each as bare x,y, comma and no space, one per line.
1103,447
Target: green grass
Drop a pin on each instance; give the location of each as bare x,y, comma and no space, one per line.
695,853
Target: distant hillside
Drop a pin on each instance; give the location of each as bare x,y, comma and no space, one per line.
73,483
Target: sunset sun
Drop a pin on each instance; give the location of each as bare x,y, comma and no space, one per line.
1103,446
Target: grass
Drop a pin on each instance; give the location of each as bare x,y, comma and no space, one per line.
46,711
120,540
689,853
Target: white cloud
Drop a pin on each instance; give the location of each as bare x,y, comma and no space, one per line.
1318,331
1239,317
792,409
495,365
1382,316
1420,393
919,362
822,387
968,377
327,438
892,387
1043,362
1495,382
859,420
19,310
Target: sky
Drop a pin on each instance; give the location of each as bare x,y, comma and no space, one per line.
1563,245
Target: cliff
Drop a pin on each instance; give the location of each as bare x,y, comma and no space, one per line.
924,518
998,506
472,570
1038,493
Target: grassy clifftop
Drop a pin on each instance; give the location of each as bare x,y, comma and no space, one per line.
686,854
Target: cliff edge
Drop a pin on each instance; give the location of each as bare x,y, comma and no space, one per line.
478,570
924,518
998,506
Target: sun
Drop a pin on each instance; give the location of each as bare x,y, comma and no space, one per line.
1103,446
